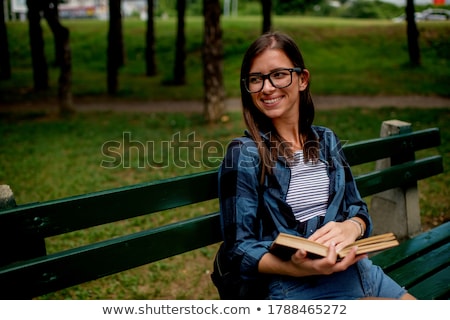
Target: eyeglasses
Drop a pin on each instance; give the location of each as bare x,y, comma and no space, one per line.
280,78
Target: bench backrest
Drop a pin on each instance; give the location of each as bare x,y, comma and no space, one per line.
27,271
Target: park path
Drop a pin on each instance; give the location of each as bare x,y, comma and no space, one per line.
234,104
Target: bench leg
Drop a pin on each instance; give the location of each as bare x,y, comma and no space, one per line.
396,210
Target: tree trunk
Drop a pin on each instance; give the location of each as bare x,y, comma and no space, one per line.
40,69
115,46
267,11
150,40
412,34
214,105
50,8
179,72
5,63
63,57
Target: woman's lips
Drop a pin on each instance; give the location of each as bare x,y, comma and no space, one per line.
271,101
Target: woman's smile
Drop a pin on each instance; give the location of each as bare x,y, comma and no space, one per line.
271,101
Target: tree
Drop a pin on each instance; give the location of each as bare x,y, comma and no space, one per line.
150,40
267,12
179,72
49,8
38,60
5,64
214,104
412,34
63,56
115,51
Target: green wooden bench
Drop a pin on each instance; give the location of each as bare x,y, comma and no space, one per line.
26,271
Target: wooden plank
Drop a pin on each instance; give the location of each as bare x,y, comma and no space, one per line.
409,249
57,271
399,175
74,213
437,286
379,148
421,267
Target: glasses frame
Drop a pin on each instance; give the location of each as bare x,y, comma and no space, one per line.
267,76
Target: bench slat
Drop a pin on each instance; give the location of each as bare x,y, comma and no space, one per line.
380,148
79,212
436,286
399,175
57,271
392,258
422,266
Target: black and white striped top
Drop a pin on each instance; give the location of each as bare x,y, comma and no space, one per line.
308,188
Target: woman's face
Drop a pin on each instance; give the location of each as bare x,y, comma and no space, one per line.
274,102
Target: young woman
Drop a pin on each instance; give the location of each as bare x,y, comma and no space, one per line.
287,175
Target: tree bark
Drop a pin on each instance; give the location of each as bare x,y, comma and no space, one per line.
267,12
115,53
50,8
5,63
214,105
39,62
179,72
63,57
150,40
412,34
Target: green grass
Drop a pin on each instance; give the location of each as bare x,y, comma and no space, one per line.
46,157
345,56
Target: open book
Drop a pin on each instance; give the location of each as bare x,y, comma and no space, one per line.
286,244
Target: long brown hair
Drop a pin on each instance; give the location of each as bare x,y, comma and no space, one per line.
258,123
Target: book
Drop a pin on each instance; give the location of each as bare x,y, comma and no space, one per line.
286,244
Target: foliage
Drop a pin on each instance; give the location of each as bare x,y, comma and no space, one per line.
282,7
370,9
375,9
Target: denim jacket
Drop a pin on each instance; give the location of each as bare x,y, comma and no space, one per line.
252,214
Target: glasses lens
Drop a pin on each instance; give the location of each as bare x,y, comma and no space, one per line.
254,83
281,78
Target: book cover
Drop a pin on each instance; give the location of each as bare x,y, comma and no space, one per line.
286,244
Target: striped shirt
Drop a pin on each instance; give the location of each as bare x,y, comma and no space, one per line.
308,188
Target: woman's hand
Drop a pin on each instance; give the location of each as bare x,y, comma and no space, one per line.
339,233
335,235
326,265
300,265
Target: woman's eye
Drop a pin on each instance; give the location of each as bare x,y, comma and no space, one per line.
254,79
278,74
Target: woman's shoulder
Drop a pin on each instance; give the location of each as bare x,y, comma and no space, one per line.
326,135
322,129
242,146
244,141
240,150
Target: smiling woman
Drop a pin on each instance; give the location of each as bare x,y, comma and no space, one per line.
290,176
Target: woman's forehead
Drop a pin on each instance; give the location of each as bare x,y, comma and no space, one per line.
270,59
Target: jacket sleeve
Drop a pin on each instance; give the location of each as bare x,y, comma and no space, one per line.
238,198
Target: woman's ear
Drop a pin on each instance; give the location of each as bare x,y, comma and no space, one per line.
303,80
